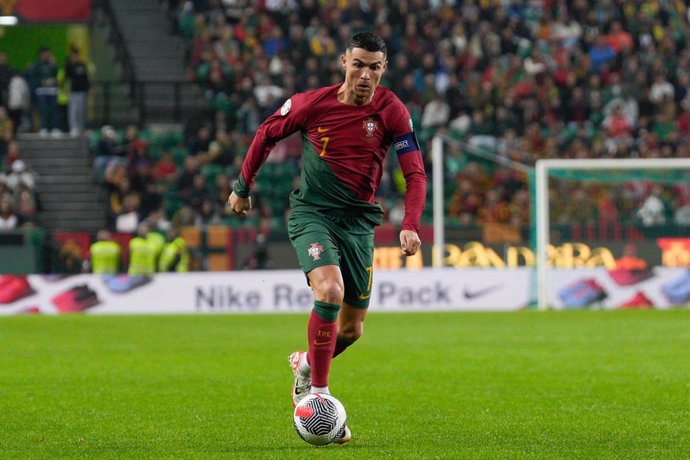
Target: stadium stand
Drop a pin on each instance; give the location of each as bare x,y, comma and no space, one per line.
522,80
508,80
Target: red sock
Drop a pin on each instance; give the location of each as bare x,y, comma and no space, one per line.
321,334
340,346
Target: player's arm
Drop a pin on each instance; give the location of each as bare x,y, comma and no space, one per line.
285,121
409,155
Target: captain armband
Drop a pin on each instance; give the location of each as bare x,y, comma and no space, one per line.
405,144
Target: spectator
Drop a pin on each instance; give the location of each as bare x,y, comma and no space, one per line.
8,219
5,191
142,253
27,206
661,89
267,94
18,100
175,255
198,144
78,76
129,218
45,76
157,221
108,151
186,178
12,155
436,113
600,54
397,212
184,217
618,39
248,116
207,213
165,168
653,212
617,124
195,195
19,176
6,131
6,73
105,254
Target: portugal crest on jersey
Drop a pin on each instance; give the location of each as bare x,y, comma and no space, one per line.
315,251
370,126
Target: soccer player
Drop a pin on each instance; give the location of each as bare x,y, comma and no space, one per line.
347,130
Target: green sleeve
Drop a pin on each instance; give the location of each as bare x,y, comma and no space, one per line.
240,188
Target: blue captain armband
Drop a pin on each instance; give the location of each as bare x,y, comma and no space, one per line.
405,144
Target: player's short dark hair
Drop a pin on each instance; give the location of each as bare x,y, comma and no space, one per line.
367,41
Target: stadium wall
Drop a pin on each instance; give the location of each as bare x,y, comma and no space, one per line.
274,291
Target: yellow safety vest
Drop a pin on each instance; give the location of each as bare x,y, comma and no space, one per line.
157,241
142,257
105,257
175,256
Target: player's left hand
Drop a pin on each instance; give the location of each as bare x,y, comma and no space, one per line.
409,242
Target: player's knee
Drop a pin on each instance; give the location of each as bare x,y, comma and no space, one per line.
329,291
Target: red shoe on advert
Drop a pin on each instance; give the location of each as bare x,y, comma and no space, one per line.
13,287
639,301
75,299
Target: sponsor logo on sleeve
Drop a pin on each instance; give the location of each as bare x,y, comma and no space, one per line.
286,107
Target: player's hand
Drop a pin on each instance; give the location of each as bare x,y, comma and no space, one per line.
239,205
409,242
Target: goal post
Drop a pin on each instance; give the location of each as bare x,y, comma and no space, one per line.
581,167
439,216
439,143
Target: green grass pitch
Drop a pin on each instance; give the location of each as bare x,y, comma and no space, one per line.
447,385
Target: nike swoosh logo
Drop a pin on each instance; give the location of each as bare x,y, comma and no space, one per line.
321,343
364,297
473,294
321,130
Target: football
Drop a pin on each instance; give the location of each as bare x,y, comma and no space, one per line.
319,419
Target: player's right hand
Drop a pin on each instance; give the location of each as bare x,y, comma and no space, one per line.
239,205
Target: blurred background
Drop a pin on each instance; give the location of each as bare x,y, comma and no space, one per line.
125,120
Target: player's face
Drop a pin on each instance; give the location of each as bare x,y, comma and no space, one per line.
363,71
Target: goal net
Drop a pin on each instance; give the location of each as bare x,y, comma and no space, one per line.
612,232
581,233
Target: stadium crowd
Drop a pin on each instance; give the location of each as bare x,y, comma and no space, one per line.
19,201
59,96
521,80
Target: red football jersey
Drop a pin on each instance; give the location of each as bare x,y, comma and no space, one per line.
344,146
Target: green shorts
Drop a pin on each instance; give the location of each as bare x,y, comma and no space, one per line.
324,240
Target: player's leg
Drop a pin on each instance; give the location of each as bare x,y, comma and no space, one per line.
350,327
327,284
356,262
319,257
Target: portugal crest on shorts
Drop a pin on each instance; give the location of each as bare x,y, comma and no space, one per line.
315,251
370,125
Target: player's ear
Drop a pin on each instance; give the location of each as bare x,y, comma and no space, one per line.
343,61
